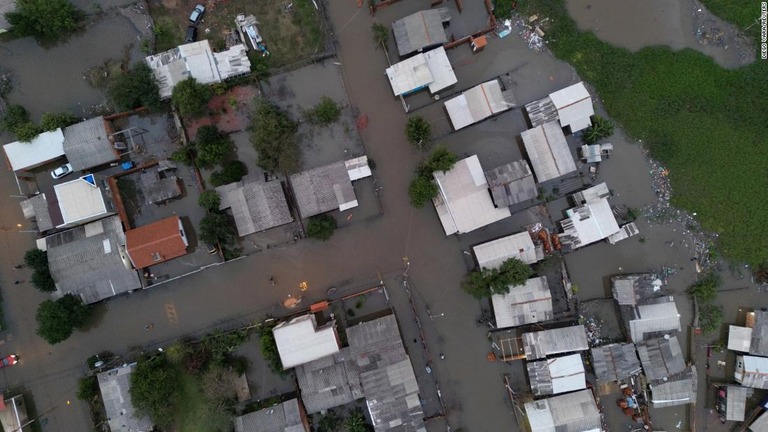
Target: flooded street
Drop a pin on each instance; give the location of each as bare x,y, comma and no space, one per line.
678,24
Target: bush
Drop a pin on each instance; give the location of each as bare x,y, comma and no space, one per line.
87,388
178,352
356,422
325,112
321,227
239,364
216,227
191,98
418,131
26,132
502,9
57,320
135,89
441,159
184,154
269,351
37,260
710,318
53,121
212,146
218,387
233,171
154,390
273,134
15,116
197,360
705,290
422,190
259,65
209,200
45,20
601,128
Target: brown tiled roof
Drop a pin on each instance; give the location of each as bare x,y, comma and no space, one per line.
154,243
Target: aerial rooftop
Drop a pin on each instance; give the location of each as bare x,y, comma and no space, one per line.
548,151
511,183
544,343
256,205
479,103
122,417
556,375
421,30
571,412
526,304
615,362
288,416
300,340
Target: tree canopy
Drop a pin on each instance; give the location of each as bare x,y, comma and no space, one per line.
37,260
209,200
191,97
273,134
26,132
321,226
325,112
154,389
423,187
57,320
422,190
53,121
212,146
45,20
441,159
15,116
705,289
232,171
135,88
486,282
380,34
217,227
418,131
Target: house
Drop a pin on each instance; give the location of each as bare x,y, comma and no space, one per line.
676,390
520,246
596,152
301,340
6,6
759,342
159,183
526,304
661,357
571,412
386,375
653,319
288,416
751,371
256,206
556,375
615,362
13,413
196,60
90,261
571,107
631,289
548,151
479,103
431,69
587,224
463,203
329,382
115,387
736,402
739,338
44,148
421,30
591,194
511,184
156,243
625,231
545,343
89,144
761,424
329,187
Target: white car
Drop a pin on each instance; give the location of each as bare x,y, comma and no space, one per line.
197,14
61,171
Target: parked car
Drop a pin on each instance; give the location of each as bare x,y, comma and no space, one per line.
197,14
9,361
191,34
62,171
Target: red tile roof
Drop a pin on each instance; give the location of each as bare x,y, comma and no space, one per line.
154,243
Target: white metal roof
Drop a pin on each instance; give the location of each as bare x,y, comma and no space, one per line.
654,318
44,148
571,412
491,254
761,424
441,70
299,341
409,75
574,106
464,203
755,364
358,168
232,62
739,338
548,151
526,304
200,61
477,103
567,373
80,199
590,222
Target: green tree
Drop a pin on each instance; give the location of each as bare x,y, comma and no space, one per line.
321,226
601,128
57,320
53,121
486,282
273,134
185,154
26,132
233,171
514,272
705,289
218,387
209,200
217,227
325,112
710,317
422,190
356,422
37,260
502,9
330,422
87,388
178,352
212,146
45,20
259,65
418,131
269,351
380,35
441,159
15,116
154,390
135,88
191,97
475,285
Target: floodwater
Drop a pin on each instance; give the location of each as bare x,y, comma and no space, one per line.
677,24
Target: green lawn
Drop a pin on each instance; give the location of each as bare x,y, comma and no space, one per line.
193,411
708,125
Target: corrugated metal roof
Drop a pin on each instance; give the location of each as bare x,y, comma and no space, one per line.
441,70
90,260
759,343
87,144
548,151
591,194
409,75
300,341
588,223
156,189
661,358
555,341
761,424
37,208
735,403
329,382
511,184
572,412
420,30
629,289
526,304
42,149
574,106
556,375
464,204
615,362
323,189
739,338
283,417
492,254
541,111
754,373
478,103
678,390
122,417
653,319
256,206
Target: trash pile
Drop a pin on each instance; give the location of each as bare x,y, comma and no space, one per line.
709,34
530,29
594,332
